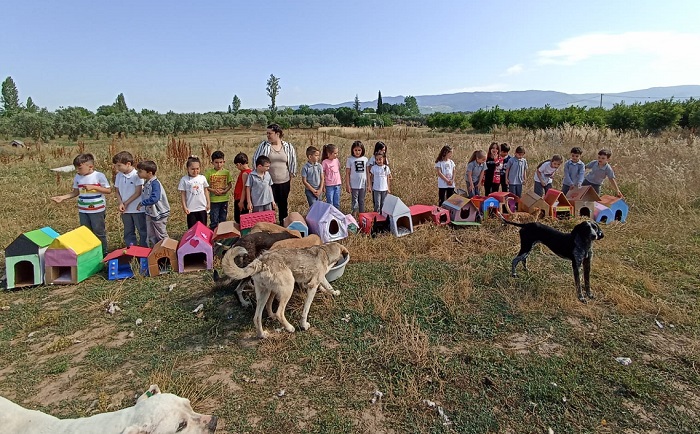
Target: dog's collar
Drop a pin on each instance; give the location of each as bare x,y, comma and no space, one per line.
149,393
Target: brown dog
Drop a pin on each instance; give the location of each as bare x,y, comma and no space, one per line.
298,243
272,228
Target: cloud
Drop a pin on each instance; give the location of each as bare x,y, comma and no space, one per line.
513,70
662,46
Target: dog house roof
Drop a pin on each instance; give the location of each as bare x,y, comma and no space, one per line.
321,211
394,206
456,202
133,251
165,244
584,193
198,231
30,242
226,229
611,201
78,240
554,195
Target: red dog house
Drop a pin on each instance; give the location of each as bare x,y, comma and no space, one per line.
367,219
195,251
249,220
421,214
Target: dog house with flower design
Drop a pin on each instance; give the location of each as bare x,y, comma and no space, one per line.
73,257
24,257
462,211
618,207
400,221
195,251
163,257
119,262
327,222
583,199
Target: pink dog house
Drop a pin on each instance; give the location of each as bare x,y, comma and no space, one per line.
327,222
249,220
602,214
195,250
462,211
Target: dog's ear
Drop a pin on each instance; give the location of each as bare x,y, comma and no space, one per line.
152,390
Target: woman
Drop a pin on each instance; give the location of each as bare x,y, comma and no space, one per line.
283,165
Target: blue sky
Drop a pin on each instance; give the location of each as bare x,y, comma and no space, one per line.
194,56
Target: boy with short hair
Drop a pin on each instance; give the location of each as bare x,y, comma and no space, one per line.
505,149
574,169
89,186
220,183
239,204
599,170
312,175
155,202
516,172
259,187
128,187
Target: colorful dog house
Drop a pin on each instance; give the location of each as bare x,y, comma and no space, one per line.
119,262
225,235
195,251
249,220
400,221
559,205
297,222
508,202
367,219
602,214
533,203
618,207
351,224
73,257
463,212
583,199
163,257
24,257
327,222
421,214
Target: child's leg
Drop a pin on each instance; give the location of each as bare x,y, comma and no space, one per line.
565,188
450,192
539,190
516,189
442,192
547,187
97,226
215,212
354,199
310,197
159,229
382,197
336,198
361,192
129,229
376,200
504,186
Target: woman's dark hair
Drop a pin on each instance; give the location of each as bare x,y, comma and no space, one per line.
277,129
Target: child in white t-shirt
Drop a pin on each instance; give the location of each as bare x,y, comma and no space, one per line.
128,186
445,168
380,180
194,193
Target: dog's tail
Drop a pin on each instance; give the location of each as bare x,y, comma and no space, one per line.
506,221
233,271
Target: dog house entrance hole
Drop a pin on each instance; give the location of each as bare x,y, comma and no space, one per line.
61,274
164,265
24,273
333,227
464,213
403,225
618,215
194,261
603,219
563,214
585,212
443,219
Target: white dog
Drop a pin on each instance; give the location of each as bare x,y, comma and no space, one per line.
154,413
275,272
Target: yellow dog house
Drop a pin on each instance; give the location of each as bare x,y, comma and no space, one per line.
73,257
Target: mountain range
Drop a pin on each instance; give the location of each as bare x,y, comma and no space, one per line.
511,100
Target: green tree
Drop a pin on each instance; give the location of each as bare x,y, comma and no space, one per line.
9,97
273,89
411,105
120,104
356,104
235,104
31,107
379,103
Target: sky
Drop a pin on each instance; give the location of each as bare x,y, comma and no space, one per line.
194,56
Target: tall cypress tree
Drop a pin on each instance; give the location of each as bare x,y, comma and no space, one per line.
379,103
9,97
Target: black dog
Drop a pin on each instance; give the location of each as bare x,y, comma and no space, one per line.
575,246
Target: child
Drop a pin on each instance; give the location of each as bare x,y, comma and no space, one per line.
239,204
258,187
516,172
154,201
380,181
378,147
220,184
475,172
544,172
194,193
574,170
128,187
356,177
312,175
445,168
331,174
90,186
492,176
505,149
599,170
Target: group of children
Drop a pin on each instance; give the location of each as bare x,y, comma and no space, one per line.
361,175
499,169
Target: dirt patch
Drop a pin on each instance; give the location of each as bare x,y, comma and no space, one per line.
57,388
526,343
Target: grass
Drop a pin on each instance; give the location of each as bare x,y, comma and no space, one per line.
432,317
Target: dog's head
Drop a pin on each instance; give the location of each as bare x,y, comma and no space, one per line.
588,231
165,413
335,252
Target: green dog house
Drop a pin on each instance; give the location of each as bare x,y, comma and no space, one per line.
73,257
24,258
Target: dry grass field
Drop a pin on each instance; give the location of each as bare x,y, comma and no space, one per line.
432,320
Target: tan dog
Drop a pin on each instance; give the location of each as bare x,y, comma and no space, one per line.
154,413
275,272
272,228
298,243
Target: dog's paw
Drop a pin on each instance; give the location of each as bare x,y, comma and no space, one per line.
590,295
335,292
305,325
246,303
263,335
513,274
582,299
290,328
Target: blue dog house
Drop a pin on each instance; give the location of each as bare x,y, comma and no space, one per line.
618,207
119,262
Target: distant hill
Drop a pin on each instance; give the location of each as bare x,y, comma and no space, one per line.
472,101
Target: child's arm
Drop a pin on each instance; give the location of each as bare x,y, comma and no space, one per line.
322,185
617,189
72,194
481,178
539,177
470,183
100,189
183,201
247,198
442,176
370,181
135,196
507,172
388,183
347,179
206,194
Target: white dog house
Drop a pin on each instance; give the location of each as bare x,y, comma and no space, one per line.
327,222
400,220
